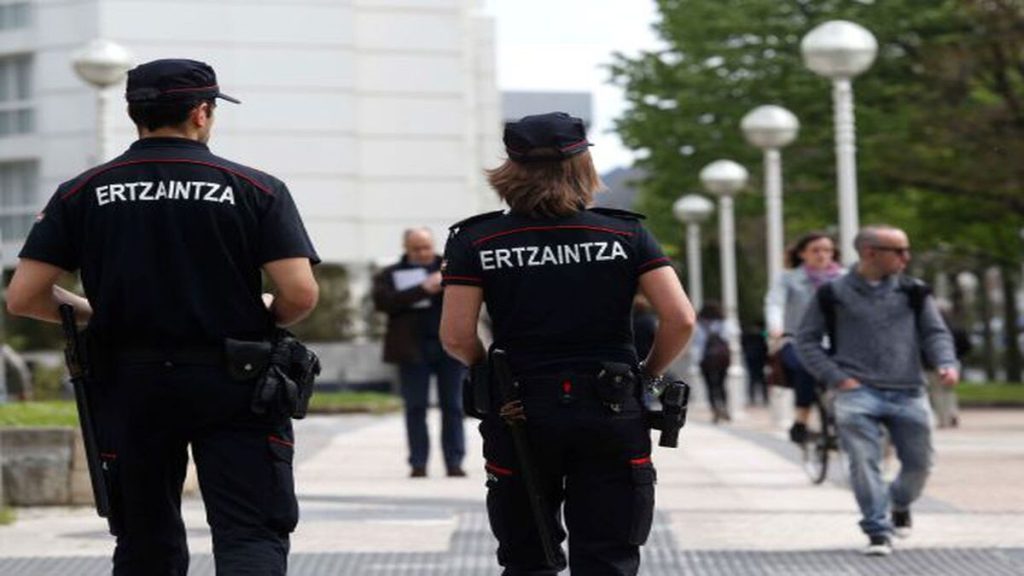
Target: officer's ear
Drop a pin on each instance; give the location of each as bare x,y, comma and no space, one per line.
202,114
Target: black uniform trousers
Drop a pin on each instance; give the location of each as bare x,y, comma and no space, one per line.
149,414
594,461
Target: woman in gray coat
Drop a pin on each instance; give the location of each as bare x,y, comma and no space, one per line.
812,262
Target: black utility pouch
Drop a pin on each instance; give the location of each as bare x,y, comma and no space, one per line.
476,391
246,359
615,384
284,371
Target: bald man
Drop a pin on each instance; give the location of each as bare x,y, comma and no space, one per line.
410,293
881,323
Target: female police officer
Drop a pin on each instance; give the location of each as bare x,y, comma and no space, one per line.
559,279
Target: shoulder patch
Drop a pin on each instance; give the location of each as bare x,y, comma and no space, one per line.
618,213
475,219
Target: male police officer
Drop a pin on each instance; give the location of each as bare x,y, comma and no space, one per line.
170,240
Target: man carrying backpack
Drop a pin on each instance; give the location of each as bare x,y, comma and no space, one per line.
711,349
879,323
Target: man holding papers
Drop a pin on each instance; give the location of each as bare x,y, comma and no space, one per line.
409,292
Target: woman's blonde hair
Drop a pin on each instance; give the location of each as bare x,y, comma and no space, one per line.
549,188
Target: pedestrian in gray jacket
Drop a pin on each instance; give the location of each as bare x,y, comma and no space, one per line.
875,368
812,263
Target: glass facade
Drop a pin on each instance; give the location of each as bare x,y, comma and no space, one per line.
14,15
18,203
16,114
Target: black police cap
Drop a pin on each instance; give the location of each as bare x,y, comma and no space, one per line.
551,136
173,80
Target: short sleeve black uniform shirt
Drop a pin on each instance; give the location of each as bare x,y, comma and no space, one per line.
170,240
558,291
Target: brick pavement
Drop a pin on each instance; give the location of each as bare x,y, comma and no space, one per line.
732,500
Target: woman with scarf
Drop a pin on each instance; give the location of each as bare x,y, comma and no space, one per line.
812,262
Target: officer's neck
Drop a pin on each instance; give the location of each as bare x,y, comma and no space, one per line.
186,132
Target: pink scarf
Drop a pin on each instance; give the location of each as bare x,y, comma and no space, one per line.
826,274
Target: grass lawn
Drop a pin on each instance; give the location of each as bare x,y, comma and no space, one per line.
49,413
991,394
347,402
62,412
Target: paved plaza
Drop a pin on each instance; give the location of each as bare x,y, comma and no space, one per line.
732,500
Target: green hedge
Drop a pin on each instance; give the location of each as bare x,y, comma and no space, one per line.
348,402
62,412
48,413
991,394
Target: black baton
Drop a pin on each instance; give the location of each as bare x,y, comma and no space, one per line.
77,369
508,389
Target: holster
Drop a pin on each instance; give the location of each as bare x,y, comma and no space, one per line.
674,398
476,391
284,371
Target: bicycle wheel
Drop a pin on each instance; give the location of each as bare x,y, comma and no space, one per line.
820,441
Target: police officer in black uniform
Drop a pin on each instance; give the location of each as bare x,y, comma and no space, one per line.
170,241
558,280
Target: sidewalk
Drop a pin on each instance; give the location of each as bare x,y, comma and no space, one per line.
732,500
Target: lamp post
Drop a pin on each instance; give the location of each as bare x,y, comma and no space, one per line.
771,128
101,64
725,179
840,50
692,210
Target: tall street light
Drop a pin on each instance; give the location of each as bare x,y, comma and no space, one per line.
771,128
840,50
692,210
725,178
102,64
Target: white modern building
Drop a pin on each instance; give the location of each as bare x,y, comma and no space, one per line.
378,114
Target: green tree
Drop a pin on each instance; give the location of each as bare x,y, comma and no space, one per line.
940,119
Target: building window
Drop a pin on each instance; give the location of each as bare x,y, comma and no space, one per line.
18,203
16,114
14,15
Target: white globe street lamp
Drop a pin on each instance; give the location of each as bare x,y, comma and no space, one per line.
771,128
725,179
840,50
101,64
692,210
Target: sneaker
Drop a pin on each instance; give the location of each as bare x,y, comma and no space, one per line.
880,545
798,433
902,525
418,472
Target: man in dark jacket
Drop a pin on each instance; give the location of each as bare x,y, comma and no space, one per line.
410,293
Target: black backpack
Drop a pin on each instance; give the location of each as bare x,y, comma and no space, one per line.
716,353
917,291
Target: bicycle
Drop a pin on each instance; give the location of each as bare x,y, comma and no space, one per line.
822,438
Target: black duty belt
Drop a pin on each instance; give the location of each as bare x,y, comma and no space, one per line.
201,355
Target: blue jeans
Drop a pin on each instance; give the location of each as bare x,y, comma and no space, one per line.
804,385
860,415
415,381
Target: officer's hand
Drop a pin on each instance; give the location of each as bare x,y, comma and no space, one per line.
268,299
849,384
433,283
949,376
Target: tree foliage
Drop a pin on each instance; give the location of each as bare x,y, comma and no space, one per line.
940,119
